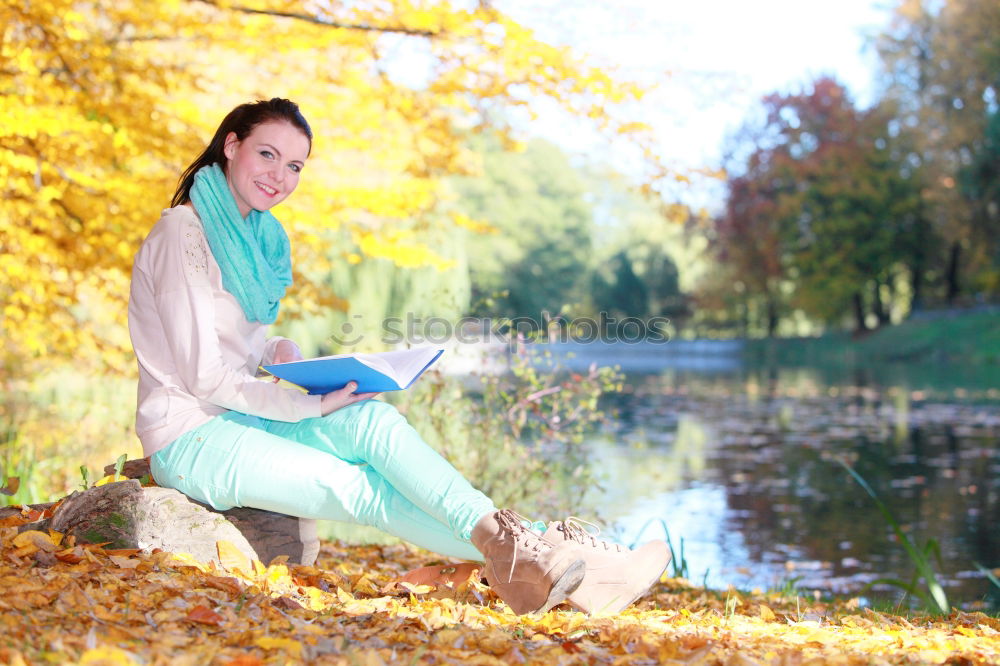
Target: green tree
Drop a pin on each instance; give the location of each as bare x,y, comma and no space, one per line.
535,204
980,182
617,290
634,266
381,302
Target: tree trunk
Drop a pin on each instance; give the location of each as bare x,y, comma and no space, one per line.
919,244
859,314
772,317
878,307
952,273
917,287
744,318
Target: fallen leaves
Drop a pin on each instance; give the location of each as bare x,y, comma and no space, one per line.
83,604
10,488
204,615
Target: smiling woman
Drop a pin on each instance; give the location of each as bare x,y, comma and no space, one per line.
260,174
206,283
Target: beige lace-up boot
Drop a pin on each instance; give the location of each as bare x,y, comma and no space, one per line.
616,576
529,574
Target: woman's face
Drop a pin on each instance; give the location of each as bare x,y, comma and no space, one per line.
264,168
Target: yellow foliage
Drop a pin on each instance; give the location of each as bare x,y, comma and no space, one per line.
103,103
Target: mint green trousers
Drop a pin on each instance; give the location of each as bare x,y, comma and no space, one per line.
361,464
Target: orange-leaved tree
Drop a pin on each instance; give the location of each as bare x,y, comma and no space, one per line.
103,103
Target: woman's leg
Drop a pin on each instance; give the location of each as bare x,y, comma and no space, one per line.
233,461
373,432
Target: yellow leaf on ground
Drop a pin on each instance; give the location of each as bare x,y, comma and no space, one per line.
186,560
416,589
107,656
37,540
268,643
125,562
232,558
315,597
277,574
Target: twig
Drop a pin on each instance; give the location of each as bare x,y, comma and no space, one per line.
326,22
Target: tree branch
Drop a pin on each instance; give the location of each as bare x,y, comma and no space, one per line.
329,23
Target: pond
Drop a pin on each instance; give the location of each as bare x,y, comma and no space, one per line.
740,464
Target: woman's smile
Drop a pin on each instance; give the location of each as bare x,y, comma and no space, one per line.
264,167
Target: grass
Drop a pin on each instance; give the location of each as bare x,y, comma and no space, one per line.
52,423
963,338
933,597
989,575
678,562
789,587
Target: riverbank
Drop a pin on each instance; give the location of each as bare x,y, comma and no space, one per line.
945,337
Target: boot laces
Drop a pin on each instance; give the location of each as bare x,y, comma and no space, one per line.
576,529
514,523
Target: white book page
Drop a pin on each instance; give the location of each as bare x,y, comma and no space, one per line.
400,366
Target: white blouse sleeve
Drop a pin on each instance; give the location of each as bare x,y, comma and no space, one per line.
185,304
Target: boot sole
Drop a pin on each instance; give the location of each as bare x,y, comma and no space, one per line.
564,586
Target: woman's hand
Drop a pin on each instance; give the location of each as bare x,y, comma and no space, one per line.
334,400
286,351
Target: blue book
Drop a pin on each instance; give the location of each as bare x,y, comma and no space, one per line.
375,372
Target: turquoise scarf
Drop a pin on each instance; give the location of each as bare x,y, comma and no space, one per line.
253,254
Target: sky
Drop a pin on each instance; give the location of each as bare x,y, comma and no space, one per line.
709,60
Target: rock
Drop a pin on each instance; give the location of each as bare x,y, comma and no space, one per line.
127,515
273,534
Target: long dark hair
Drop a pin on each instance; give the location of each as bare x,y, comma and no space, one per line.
241,120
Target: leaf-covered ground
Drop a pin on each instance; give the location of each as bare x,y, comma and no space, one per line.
64,603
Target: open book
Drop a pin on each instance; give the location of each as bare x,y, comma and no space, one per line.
381,371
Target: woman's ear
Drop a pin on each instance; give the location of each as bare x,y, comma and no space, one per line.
229,147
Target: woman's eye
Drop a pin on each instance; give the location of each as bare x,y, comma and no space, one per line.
295,168
267,153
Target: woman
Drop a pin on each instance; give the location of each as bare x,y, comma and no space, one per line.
206,283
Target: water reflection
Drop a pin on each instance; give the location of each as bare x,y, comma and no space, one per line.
742,467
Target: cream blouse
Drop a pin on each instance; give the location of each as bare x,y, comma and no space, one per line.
198,355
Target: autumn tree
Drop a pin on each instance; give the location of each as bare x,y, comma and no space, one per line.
941,68
748,247
103,103
820,210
